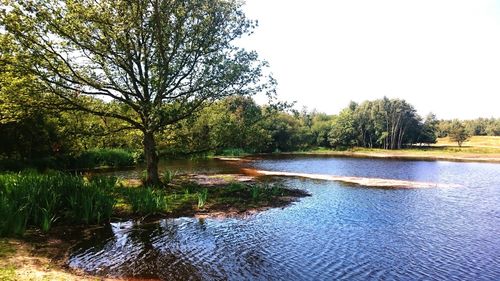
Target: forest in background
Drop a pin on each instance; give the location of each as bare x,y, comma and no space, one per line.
34,135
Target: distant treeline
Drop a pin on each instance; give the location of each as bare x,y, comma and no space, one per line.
231,126
382,123
474,127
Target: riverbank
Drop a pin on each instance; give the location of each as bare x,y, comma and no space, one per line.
22,260
442,153
42,255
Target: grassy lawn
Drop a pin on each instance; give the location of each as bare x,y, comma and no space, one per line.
475,141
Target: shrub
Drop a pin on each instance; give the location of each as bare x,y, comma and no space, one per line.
113,157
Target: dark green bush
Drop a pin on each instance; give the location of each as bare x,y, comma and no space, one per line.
112,157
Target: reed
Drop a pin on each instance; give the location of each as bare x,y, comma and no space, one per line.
255,192
168,176
202,198
32,199
146,200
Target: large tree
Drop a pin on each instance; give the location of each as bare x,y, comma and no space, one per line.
159,60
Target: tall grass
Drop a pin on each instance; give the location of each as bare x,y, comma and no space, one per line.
202,198
145,200
33,199
168,176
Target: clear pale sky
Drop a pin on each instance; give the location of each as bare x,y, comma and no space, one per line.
440,55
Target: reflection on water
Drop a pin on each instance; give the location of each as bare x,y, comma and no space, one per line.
340,232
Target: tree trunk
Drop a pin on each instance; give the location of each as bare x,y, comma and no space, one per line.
151,158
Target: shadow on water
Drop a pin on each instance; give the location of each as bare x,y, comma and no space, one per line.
129,249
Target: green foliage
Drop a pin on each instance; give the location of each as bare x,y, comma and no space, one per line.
343,133
113,157
233,152
168,176
146,201
202,198
475,127
458,133
182,56
429,130
255,191
32,199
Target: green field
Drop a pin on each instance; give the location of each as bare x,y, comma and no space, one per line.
475,141
478,148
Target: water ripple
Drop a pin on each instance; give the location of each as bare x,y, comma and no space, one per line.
339,233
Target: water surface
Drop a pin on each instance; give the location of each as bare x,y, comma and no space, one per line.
340,232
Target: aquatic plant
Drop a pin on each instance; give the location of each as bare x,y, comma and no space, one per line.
146,200
202,198
32,199
255,191
168,176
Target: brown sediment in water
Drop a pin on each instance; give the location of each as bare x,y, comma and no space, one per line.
369,182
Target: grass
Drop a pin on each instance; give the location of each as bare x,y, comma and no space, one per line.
146,201
32,199
474,141
202,198
484,148
7,273
168,176
94,158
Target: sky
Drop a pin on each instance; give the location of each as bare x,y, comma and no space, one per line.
442,56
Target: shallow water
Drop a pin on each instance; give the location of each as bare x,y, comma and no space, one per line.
340,232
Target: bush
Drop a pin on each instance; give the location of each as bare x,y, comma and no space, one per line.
112,157
234,152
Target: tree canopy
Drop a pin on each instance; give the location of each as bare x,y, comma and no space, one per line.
157,61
